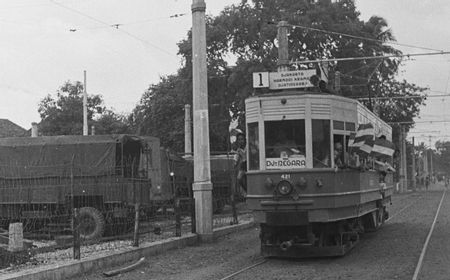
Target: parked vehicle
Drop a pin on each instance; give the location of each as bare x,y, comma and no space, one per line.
43,179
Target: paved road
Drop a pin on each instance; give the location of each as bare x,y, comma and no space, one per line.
391,253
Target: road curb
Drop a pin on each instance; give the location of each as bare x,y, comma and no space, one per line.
74,268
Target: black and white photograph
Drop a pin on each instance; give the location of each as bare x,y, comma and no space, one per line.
225,140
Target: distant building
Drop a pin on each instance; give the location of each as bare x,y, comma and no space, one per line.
10,129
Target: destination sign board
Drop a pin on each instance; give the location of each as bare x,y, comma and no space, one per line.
286,163
291,79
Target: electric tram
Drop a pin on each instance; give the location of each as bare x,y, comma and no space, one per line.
311,190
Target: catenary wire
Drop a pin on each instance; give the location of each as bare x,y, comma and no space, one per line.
112,26
362,38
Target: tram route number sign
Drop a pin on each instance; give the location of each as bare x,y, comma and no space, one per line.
283,80
286,163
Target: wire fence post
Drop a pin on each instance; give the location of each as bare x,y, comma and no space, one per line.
234,183
193,220
136,225
177,217
76,235
75,216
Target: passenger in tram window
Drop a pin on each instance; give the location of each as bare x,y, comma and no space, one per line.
354,160
285,147
383,167
322,157
339,155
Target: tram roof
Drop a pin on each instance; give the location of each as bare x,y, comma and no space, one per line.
358,112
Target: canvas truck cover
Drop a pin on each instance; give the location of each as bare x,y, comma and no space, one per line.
37,157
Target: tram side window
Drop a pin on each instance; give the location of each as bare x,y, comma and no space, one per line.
321,143
285,138
340,154
253,146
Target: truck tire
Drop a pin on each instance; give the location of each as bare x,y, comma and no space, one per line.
92,223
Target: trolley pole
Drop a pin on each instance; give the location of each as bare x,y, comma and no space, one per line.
202,186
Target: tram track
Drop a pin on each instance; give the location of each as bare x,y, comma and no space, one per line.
230,276
396,215
425,245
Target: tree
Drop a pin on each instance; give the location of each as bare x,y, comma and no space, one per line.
247,31
110,122
63,114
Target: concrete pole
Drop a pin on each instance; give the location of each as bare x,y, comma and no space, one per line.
413,154
283,46
85,125
403,160
187,130
202,186
34,129
431,160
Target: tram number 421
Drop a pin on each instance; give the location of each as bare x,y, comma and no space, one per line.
260,79
285,176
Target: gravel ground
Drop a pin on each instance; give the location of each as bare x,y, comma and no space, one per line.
62,256
390,253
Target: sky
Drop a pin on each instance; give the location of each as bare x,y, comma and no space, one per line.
45,43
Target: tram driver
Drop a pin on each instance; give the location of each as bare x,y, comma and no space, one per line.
285,147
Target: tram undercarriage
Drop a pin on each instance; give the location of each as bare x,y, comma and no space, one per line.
316,239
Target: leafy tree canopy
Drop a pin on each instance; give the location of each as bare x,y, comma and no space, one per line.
63,114
248,32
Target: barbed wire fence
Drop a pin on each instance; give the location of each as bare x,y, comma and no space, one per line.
52,214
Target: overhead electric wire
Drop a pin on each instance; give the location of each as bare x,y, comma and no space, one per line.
369,57
362,38
112,26
117,25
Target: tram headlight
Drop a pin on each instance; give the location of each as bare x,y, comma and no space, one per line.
284,187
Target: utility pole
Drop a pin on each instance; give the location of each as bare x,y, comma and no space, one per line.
85,125
413,153
187,130
283,46
431,159
403,169
202,186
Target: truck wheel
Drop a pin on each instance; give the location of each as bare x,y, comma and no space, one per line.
92,223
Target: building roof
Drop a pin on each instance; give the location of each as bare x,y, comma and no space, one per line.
10,129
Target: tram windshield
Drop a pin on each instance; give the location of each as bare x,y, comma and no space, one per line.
285,144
